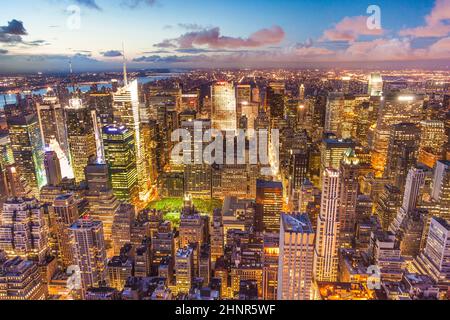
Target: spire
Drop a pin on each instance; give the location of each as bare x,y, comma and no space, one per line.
71,77
125,78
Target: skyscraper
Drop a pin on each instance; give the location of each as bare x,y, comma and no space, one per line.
334,109
395,108
52,122
23,230
414,182
120,156
81,136
441,188
52,168
375,84
435,259
28,150
269,204
21,280
296,257
184,267
432,141
275,103
65,213
102,202
326,249
224,111
402,152
89,252
349,189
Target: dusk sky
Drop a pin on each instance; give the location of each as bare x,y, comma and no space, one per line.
44,35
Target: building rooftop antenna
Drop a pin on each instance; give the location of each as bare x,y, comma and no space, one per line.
125,77
71,76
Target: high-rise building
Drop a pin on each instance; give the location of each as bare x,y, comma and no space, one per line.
52,168
441,188
65,213
326,249
332,152
402,152
191,229
270,262
334,109
52,123
120,156
435,259
269,204
103,204
275,100
23,229
224,111
349,189
21,279
89,252
432,141
126,108
184,267
296,257
81,137
395,108
384,252
414,183
121,228
28,150
375,85
388,204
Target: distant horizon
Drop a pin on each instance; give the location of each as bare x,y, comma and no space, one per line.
95,35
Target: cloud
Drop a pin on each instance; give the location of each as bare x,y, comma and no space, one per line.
190,26
350,29
3,51
440,49
213,39
169,59
379,50
167,43
12,32
111,53
91,4
436,22
136,3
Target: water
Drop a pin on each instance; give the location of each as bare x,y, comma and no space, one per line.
11,98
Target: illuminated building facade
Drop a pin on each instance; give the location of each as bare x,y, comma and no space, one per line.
27,148
81,137
395,108
296,257
89,252
224,111
52,123
326,249
120,156
21,280
184,267
23,229
269,204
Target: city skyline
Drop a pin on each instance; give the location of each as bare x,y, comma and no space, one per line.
43,36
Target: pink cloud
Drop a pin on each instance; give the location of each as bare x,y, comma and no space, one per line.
349,29
440,49
213,39
379,50
435,22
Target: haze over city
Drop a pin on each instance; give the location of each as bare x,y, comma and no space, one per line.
44,35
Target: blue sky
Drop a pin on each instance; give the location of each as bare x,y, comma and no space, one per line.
218,33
